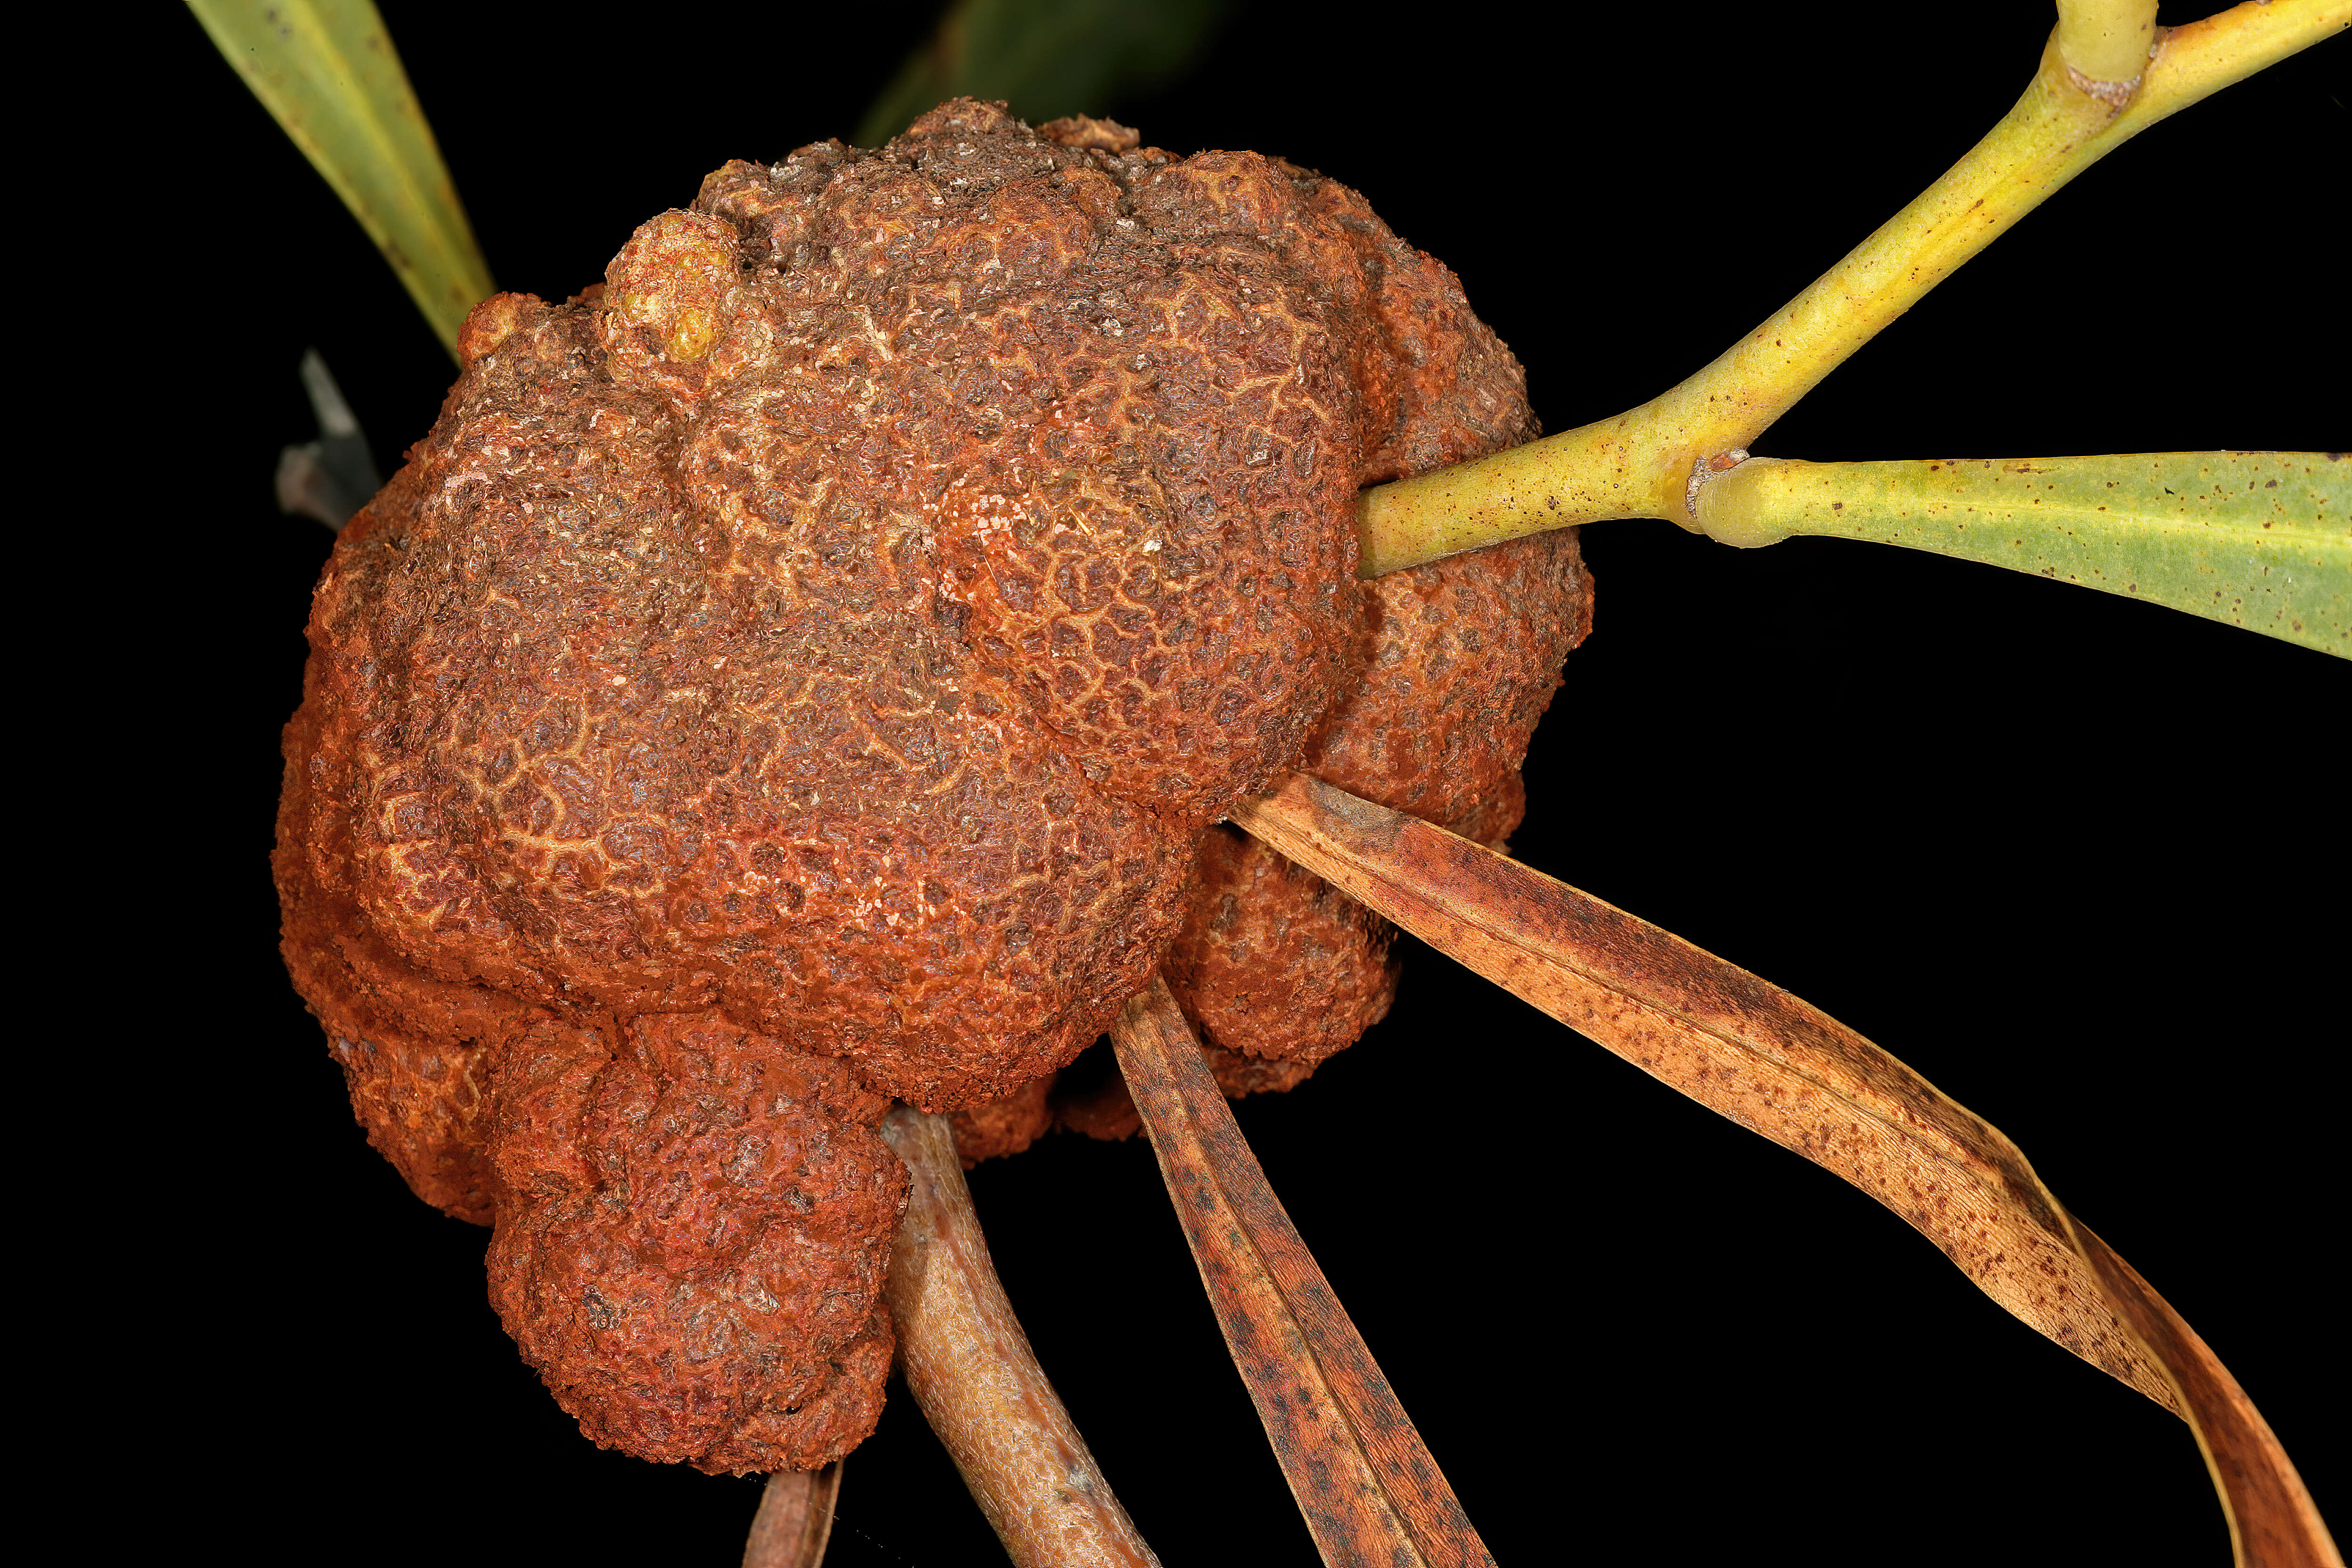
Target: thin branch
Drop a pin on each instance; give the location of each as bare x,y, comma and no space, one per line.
1640,463
970,1366
1783,1070
2106,40
1362,1478
795,1519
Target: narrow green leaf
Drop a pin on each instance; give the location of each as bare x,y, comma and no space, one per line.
327,72
1046,58
2260,539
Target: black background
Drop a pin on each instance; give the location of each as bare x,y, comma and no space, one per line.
2078,859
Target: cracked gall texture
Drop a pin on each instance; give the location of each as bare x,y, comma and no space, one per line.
800,672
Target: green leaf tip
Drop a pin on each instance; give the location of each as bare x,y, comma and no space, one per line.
2259,540
1045,58
327,72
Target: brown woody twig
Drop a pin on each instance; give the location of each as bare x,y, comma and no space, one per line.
795,1519
970,1366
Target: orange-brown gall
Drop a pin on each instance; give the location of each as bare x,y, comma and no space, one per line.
490,323
800,672
693,1227
1006,1126
1459,659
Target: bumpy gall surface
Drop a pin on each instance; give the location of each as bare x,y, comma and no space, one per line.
1459,659
1275,968
693,1227
799,672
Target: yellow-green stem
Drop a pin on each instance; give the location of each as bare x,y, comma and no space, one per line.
2106,40
1640,463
